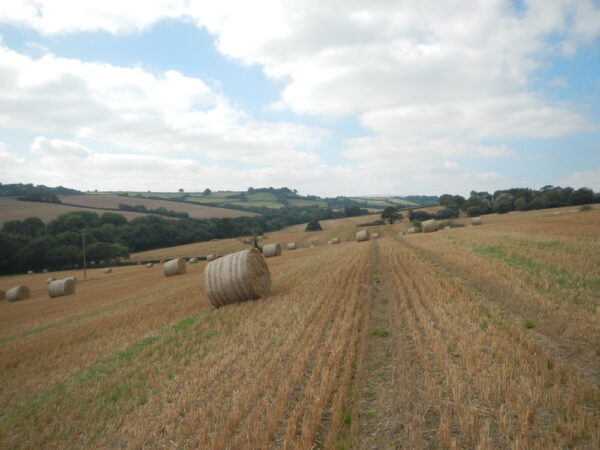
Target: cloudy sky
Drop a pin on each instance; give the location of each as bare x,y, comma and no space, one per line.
336,97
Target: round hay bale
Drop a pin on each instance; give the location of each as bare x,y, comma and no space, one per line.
45,271
72,278
271,250
362,235
50,280
174,267
375,236
193,260
476,221
334,240
18,293
2,295
557,213
108,270
447,227
237,277
211,257
59,288
428,226
149,265
291,246
411,230
30,272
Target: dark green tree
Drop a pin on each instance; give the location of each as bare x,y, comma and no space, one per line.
391,214
313,225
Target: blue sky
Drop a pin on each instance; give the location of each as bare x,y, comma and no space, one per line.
343,99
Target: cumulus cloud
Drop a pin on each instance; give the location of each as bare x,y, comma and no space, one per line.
588,178
134,109
7,159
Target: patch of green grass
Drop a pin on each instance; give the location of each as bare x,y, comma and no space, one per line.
396,443
370,394
484,325
585,208
548,244
343,444
185,323
347,417
528,324
381,333
370,414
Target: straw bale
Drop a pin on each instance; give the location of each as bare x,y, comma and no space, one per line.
108,270
50,280
476,221
362,235
271,250
149,265
174,267
428,226
18,293
375,235
30,272
211,257
291,246
334,240
237,277
58,288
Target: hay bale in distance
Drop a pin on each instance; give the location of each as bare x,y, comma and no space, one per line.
50,280
411,230
2,294
362,235
108,270
149,265
211,257
291,246
59,288
447,227
334,240
18,293
45,271
174,267
30,272
428,226
271,250
237,277
375,235
476,221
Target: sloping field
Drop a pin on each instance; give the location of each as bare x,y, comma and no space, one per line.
11,209
475,337
113,201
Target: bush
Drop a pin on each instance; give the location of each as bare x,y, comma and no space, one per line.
585,208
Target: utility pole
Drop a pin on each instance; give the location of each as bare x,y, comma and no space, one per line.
84,260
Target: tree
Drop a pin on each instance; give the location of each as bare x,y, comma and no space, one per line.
207,191
582,196
446,213
503,204
539,202
113,219
521,204
391,214
313,225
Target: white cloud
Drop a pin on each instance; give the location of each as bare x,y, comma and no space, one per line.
589,178
134,109
7,159
58,148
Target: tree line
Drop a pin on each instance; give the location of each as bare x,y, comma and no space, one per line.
30,244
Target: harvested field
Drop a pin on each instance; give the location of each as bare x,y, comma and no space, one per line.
477,337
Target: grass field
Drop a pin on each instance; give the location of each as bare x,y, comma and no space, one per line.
474,337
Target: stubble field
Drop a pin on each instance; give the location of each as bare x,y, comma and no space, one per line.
474,337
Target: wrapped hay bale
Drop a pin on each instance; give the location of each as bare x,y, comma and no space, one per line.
18,293
411,230
362,236
375,235
108,270
149,265
30,272
428,226
174,267
237,277
476,221
334,240
291,246
193,260
58,288
211,257
50,280
271,250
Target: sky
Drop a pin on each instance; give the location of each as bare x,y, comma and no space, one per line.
336,97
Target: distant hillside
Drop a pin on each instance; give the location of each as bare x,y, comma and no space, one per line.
39,193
